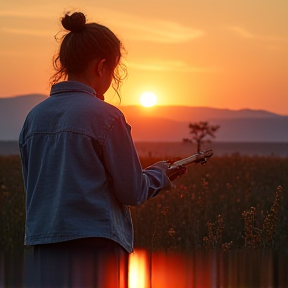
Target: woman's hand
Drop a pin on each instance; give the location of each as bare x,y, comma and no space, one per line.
172,172
175,172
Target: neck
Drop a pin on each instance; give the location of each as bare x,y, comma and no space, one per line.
82,79
85,81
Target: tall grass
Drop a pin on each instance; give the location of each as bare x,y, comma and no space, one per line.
206,208
12,208
231,203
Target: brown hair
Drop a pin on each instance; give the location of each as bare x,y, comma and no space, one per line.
85,42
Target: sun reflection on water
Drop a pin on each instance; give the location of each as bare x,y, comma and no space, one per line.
138,269
199,270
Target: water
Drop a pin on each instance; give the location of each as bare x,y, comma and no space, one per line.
245,269
180,149
197,270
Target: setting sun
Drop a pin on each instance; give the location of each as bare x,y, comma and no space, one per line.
148,99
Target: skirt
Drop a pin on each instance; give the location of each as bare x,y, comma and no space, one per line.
87,262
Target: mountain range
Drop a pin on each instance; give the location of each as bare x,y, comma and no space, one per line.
166,123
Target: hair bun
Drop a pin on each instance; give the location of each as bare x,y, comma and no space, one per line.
75,22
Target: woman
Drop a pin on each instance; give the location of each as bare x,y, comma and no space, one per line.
80,167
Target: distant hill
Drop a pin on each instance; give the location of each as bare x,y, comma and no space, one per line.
166,123
171,123
13,112
231,130
189,114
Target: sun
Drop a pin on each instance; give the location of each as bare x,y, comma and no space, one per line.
148,99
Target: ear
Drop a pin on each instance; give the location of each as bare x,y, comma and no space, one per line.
101,67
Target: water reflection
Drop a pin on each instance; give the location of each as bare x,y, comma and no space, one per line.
139,269
245,269
253,269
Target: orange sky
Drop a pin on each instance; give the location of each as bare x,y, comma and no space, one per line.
218,53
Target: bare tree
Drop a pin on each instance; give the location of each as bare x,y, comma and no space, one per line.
199,131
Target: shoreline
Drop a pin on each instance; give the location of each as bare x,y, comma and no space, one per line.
180,149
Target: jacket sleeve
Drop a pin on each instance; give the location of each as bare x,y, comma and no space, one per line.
132,184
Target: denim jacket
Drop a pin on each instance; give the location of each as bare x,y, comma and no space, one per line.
81,170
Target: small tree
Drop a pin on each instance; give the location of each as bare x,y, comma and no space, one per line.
199,131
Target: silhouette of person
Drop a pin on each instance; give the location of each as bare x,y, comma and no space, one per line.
80,167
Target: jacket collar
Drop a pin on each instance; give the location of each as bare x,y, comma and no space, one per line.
72,86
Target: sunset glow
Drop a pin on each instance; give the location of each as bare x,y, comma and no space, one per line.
221,54
148,99
200,270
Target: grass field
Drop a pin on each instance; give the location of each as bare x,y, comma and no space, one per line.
232,202
223,223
